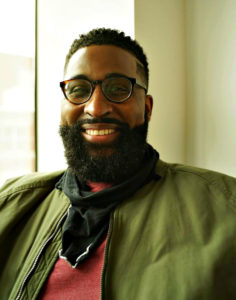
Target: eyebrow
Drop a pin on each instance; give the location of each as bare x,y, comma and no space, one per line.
109,75
79,76
115,75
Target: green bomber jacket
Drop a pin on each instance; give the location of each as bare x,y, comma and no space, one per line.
174,239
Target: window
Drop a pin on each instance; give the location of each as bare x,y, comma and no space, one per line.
17,89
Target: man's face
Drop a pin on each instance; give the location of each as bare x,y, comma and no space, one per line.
101,123
96,62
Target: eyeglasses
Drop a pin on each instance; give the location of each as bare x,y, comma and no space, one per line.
116,88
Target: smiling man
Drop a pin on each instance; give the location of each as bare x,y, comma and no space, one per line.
105,113
119,223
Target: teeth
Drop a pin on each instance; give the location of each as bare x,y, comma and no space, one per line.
99,132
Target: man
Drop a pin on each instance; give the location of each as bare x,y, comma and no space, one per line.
119,223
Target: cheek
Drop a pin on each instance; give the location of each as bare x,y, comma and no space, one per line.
135,114
69,112
140,116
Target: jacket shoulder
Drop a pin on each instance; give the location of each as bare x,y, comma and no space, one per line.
33,180
198,176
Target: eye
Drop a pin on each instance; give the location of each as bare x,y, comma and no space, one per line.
118,89
79,90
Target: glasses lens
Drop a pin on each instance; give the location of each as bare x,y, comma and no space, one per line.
117,88
78,90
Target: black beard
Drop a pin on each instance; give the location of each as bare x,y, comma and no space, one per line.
87,160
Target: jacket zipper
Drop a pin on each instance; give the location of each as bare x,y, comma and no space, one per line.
38,256
106,256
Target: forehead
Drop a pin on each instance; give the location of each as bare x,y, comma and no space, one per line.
97,61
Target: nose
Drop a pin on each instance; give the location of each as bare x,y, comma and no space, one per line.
98,105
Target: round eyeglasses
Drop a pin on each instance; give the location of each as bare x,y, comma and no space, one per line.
116,88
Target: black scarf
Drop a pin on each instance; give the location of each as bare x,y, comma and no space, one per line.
88,216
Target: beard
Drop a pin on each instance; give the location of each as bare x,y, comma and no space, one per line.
90,161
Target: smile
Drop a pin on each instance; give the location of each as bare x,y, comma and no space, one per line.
99,132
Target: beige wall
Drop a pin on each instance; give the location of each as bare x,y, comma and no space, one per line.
211,77
159,27
191,47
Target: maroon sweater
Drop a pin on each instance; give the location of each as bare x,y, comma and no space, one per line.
83,282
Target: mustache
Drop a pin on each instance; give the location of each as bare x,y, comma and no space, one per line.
122,125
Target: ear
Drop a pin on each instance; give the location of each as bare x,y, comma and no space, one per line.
148,105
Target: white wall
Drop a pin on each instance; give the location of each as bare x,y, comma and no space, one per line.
159,27
59,23
211,88
191,45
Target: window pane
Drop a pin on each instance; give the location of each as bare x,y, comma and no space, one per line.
17,89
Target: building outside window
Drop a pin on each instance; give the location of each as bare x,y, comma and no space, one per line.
17,75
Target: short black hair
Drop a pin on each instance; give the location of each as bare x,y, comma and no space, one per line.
106,36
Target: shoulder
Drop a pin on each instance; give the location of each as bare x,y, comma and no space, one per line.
193,178
30,181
